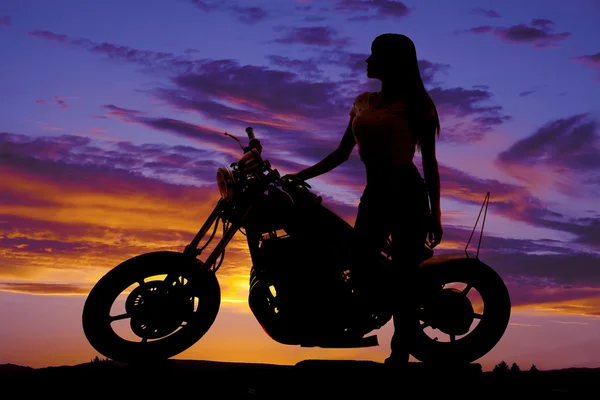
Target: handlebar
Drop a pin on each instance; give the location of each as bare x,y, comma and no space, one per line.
250,133
255,146
254,142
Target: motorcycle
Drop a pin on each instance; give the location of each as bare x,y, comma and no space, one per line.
301,286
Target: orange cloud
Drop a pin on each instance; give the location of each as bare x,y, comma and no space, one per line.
65,231
589,307
44,288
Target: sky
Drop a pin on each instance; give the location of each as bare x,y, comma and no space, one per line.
112,116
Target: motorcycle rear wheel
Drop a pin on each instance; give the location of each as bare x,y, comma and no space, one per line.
492,323
168,317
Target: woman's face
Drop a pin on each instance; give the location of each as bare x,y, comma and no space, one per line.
385,61
381,63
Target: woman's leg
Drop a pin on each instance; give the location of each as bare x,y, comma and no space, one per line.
371,229
409,233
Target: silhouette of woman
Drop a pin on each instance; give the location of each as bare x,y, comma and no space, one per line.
388,126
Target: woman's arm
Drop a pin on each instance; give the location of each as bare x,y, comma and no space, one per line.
432,180
431,171
335,158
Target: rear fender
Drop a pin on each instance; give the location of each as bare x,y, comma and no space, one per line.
435,271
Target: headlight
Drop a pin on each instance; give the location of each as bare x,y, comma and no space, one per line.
226,182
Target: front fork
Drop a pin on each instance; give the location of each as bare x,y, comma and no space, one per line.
237,218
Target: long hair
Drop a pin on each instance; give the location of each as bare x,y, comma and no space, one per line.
401,48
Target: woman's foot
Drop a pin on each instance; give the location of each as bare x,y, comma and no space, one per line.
396,361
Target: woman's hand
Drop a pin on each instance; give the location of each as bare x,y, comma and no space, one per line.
435,232
291,176
297,177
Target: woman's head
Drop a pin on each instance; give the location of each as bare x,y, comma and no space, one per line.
393,61
393,58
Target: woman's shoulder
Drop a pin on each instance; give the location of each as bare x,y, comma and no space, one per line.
362,97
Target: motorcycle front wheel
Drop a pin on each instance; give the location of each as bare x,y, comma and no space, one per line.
165,298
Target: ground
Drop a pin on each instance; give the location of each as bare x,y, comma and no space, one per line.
316,378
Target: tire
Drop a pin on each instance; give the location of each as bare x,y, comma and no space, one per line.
200,284
492,325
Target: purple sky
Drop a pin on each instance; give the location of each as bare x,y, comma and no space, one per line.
128,100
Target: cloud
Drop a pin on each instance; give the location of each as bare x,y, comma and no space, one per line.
284,103
186,70
114,111
117,52
526,93
323,36
474,114
58,100
563,153
127,161
519,204
355,63
550,270
429,70
486,12
531,91
583,306
297,102
105,219
201,4
539,33
539,274
5,21
61,101
251,15
583,301
76,207
472,110
306,67
246,15
225,80
60,289
281,104
75,203
277,149
592,60
71,208
365,10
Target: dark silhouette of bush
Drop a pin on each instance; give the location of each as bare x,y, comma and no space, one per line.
515,368
501,367
100,360
533,368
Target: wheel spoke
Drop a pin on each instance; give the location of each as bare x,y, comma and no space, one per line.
424,325
465,291
118,317
452,338
477,315
173,281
